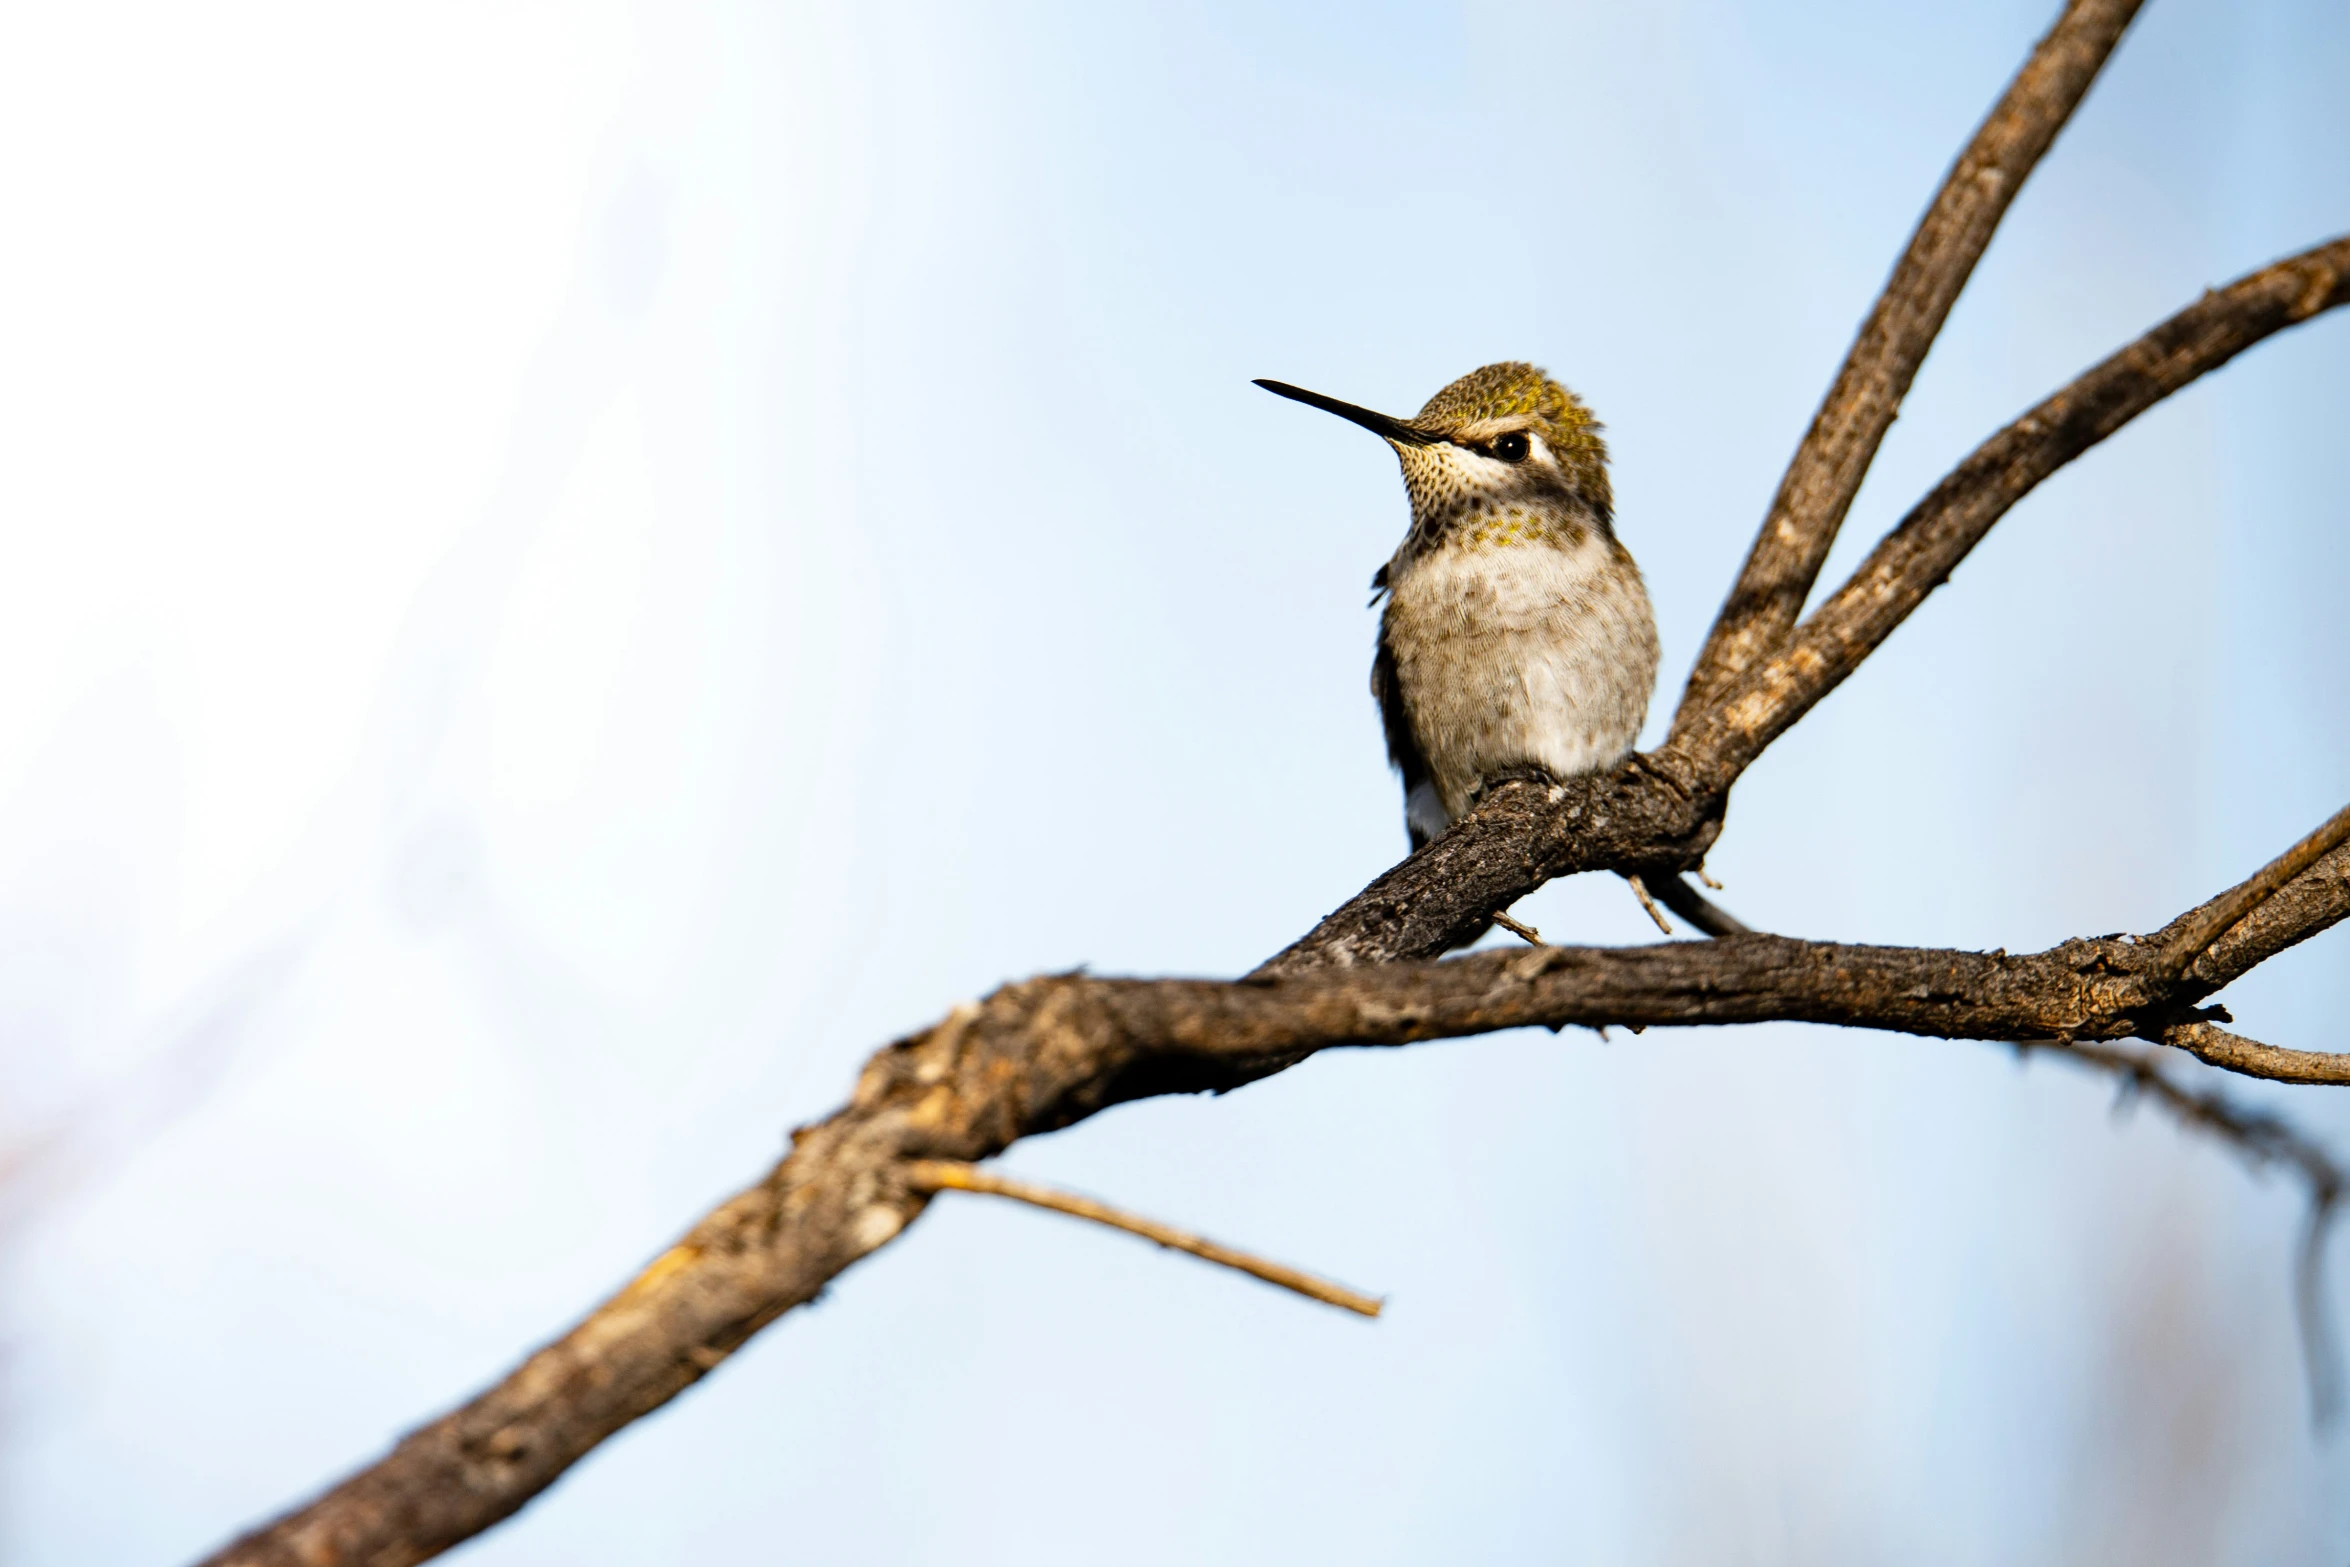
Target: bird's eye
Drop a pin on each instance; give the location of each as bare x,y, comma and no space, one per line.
1512,447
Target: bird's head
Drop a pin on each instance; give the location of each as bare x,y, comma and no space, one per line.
1505,442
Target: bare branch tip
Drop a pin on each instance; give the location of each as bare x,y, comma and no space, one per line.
1640,891
933,1175
1523,931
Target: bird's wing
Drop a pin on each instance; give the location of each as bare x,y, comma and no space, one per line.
1422,814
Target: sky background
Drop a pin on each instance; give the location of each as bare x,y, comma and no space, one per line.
572,569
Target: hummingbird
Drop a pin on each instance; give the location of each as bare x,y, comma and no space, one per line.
1517,638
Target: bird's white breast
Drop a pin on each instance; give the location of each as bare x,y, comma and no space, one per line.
1521,654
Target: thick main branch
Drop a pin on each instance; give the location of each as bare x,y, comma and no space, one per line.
1040,1055
965,1090
1045,1053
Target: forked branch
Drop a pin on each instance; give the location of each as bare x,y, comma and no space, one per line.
1660,811
1043,1054
1835,454
2315,900
1049,1052
1920,554
2200,928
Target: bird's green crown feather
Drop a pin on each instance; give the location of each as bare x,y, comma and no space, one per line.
1514,389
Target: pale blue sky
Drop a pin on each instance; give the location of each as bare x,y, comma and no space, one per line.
577,568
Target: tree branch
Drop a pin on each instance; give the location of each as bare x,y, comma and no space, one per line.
1648,904
1835,454
1919,555
1045,1053
937,1175
1520,834
1659,811
1700,912
2315,900
2198,929
2215,1046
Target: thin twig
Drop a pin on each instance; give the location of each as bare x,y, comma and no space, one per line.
1698,910
931,1175
1520,929
1829,465
1640,891
2216,918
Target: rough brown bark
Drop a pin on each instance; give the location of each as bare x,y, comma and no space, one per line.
1919,554
2215,1046
1641,818
2196,931
1826,471
1042,1054
1659,812
960,1091
2316,899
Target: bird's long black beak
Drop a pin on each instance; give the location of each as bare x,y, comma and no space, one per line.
1378,424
